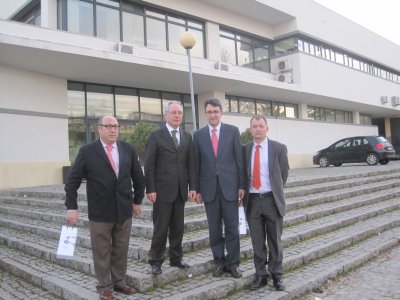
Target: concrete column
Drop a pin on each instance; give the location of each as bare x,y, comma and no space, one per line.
212,41
48,13
356,117
303,113
388,130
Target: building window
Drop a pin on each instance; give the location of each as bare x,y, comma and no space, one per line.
339,56
365,119
242,105
245,51
131,23
329,115
30,14
87,102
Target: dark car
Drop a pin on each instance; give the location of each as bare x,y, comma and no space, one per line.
371,149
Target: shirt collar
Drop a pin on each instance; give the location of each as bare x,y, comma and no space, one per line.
170,128
264,143
210,128
105,145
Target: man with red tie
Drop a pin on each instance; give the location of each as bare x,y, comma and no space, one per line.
267,170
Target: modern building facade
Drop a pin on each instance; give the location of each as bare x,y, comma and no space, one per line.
314,74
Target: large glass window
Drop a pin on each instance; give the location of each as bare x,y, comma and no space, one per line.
150,106
100,101
107,23
126,104
245,51
130,22
244,105
329,115
80,17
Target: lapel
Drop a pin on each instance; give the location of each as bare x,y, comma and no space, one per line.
122,153
206,137
167,136
271,156
221,140
249,149
100,152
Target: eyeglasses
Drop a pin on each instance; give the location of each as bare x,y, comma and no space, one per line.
109,127
213,112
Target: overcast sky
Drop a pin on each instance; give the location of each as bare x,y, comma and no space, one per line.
379,16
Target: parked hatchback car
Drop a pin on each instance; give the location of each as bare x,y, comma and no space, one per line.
371,149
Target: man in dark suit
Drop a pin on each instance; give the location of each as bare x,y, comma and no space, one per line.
111,168
218,153
267,170
169,168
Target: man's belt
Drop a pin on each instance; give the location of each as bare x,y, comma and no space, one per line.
260,195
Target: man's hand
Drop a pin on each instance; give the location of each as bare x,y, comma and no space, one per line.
241,194
137,209
199,200
152,197
192,195
72,217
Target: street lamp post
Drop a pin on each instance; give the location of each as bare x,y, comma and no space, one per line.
188,40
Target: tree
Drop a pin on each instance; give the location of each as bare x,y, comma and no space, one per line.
245,136
139,136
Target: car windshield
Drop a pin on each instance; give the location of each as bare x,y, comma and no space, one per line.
381,139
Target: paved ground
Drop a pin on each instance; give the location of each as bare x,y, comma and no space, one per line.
378,279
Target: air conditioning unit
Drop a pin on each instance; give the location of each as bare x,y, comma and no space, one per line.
384,99
221,66
284,77
395,100
124,48
284,65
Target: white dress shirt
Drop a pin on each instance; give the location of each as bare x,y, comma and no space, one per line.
264,170
178,135
114,154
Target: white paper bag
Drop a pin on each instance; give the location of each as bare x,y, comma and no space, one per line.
242,221
66,245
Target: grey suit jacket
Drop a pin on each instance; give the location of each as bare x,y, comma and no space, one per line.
278,166
227,167
169,171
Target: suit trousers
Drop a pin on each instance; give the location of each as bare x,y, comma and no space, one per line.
168,221
217,211
265,222
110,243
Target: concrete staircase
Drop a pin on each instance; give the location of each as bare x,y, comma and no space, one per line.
338,218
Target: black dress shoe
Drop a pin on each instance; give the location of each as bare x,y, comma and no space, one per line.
180,264
259,281
219,269
235,272
279,284
156,269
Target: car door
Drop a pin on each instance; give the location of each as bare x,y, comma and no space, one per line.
340,151
355,153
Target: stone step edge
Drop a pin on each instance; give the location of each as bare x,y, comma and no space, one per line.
54,285
144,282
229,286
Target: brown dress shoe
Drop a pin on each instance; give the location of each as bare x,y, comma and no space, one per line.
126,289
105,295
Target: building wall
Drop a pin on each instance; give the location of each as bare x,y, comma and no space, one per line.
34,126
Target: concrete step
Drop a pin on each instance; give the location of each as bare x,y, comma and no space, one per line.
64,281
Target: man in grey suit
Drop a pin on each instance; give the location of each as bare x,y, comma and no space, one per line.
267,170
219,158
169,169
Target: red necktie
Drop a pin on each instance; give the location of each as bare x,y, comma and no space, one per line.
256,168
110,158
214,141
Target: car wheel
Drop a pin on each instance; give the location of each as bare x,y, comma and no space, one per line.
372,159
337,164
384,161
323,161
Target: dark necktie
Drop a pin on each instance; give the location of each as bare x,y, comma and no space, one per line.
174,138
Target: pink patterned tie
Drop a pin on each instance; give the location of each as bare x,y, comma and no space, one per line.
214,141
110,158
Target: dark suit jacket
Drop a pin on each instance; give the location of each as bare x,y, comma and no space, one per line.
168,170
278,166
228,165
110,198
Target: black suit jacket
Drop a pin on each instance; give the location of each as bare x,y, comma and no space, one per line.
110,198
168,170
